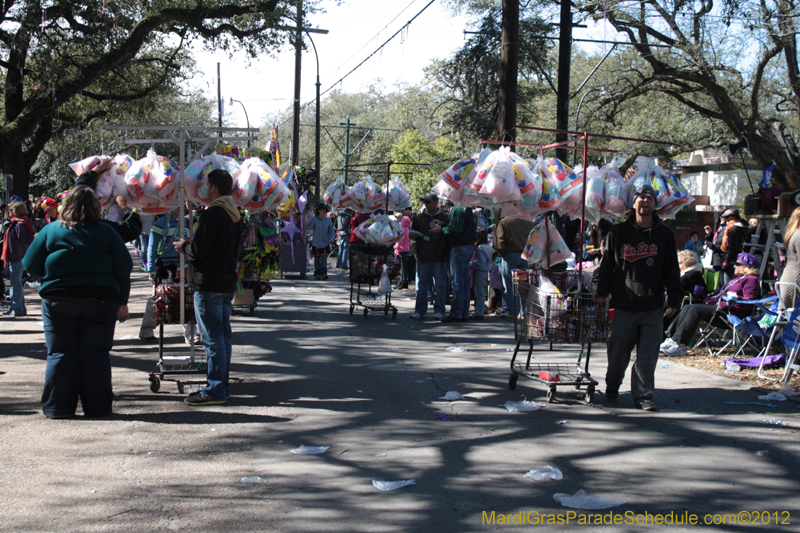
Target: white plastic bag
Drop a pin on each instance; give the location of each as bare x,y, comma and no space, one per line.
385,284
392,485
523,406
310,450
545,472
581,500
497,172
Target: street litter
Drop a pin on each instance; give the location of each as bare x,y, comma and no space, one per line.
509,349
442,416
752,403
252,479
787,390
732,368
762,453
391,485
581,500
33,284
129,337
774,422
545,472
562,422
776,396
455,349
310,450
665,365
452,395
522,406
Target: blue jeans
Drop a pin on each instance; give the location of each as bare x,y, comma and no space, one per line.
17,291
479,278
144,240
213,313
459,275
343,257
79,333
428,274
511,261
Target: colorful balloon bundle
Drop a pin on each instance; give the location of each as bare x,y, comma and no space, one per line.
367,196
379,229
153,182
110,182
546,246
337,195
671,195
453,182
257,187
399,198
196,175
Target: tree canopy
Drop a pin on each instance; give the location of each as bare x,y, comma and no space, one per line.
65,62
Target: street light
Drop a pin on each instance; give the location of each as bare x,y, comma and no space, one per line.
245,117
603,94
316,121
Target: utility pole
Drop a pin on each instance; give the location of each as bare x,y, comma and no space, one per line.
509,68
298,56
219,101
564,57
347,125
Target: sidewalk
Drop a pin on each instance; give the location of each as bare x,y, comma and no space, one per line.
311,374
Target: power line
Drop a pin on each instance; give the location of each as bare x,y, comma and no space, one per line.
379,48
370,40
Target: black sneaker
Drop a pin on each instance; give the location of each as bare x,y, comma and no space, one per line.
201,398
646,405
450,318
324,278
612,394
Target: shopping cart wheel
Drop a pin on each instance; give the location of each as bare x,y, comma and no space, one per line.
180,387
590,394
252,311
351,309
512,381
394,314
551,394
366,312
155,384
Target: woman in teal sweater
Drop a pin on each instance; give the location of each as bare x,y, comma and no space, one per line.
85,271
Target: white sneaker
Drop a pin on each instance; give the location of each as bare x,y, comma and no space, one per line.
668,344
416,316
437,316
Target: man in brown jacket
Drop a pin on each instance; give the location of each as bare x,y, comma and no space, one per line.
510,238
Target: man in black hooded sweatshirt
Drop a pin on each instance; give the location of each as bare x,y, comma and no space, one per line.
640,265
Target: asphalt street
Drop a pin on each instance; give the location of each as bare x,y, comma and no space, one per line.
309,373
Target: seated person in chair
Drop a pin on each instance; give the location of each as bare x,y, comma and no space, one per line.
744,284
692,279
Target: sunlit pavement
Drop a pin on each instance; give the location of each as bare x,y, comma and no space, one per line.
312,374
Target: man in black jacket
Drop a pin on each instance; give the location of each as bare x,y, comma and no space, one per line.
213,252
639,266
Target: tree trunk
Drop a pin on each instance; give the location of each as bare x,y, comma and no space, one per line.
14,163
509,67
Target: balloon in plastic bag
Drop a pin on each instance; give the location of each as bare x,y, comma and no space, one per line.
595,191
270,191
379,229
677,197
456,176
367,196
615,192
549,199
546,246
399,198
498,180
337,194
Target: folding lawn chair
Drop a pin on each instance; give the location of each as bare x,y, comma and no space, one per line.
721,330
754,331
788,324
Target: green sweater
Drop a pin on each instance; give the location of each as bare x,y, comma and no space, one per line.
80,256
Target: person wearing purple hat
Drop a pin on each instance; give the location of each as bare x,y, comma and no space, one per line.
744,284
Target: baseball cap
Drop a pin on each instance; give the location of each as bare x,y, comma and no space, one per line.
430,197
644,189
747,260
731,212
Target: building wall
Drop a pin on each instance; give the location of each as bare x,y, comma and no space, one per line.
724,187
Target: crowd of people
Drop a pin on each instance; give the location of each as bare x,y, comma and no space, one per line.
450,254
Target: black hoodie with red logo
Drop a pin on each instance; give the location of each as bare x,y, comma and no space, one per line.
640,265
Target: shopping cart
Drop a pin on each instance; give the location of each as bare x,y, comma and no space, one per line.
556,309
168,311
366,266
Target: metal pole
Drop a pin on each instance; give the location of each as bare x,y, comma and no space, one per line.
245,117
346,148
316,122
219,101
298,60
577,114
